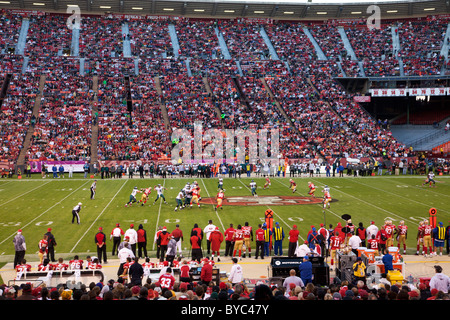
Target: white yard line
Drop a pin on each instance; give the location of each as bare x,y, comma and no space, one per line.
368,203
319,204
25,193
159,213
281,219
92,224
26,225
217,213
398,195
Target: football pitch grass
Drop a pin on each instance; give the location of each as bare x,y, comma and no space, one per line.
36,204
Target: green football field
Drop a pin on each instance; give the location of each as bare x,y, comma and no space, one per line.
36,204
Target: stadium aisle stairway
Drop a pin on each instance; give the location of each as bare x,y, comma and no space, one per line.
27,140
94,139
273,52
319,51
163,106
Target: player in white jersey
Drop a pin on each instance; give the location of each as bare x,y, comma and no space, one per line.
76,213
179,199
187,194
159,193
93,189
430,180
220,185
326,197
132,196
253,188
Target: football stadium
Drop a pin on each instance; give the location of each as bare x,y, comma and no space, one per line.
225,150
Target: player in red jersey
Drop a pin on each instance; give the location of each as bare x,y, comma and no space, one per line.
167,280
390,229
22,268
45,266
60,265
267,184
195,196
373,244
145,195
402,233
76,263
293,185
427,238
248,238
220,197
335,244
419,238
312,189
94,265
238,239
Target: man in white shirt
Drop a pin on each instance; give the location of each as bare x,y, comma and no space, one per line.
371,230
235,273
132,235
207,231
355,243
123,254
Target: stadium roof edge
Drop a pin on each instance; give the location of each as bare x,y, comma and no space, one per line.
262,9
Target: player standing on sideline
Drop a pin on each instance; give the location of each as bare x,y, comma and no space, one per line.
179,199
293,185
145,193
430,180
248,237
312,189
253,187
93,189
420,238
335,244
76,213
159,193
390,228
267,184
220,197
132,196
326,197
238,239
402,233
427,241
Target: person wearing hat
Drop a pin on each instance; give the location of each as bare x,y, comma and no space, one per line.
440,281
100,241
178,235
278,237
439,238
19,247
51,243
76,213
359,270
216,238
293,241
162,242
267,238
206,272
210,227
116,237
259,235
305,269
131,233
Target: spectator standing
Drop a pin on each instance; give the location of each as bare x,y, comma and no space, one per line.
305,269
19,247
440,281
236,273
